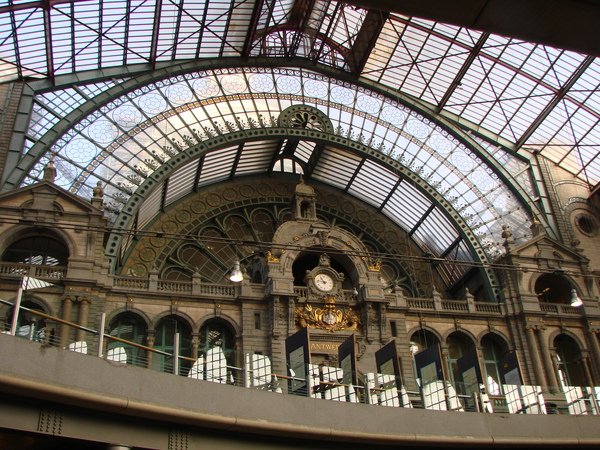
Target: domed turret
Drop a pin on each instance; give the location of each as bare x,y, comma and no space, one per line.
305,202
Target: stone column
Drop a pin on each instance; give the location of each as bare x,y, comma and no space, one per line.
534,354
446,369
67,310
84,308
383,333
149,343
195,344
547,360
595,348
586,370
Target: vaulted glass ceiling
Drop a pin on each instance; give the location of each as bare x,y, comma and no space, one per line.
465,112
122,143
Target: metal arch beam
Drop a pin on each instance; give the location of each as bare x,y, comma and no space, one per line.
28,160
128,213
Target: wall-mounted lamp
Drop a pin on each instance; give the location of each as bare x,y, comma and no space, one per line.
236,274
575,300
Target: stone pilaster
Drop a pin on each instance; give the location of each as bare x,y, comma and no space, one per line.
534,355
67,310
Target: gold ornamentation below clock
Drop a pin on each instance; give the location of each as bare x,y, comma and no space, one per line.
328,317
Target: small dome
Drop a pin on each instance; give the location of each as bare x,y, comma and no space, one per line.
304,189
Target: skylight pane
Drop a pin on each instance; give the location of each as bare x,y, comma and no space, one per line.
181,182
373,183
256,157
304,150
217,165
406,206
30,37
150,207
336,167
437,232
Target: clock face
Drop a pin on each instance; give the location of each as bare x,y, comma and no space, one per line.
323,282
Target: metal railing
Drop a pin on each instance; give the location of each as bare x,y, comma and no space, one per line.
153,284
318,381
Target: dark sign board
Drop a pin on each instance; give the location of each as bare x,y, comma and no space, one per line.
347,359
297,357
386,359
428,363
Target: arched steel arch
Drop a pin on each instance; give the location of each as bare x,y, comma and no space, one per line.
126,218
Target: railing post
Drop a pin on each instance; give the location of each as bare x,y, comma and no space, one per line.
17,307
101,334
437,300
470,301
247,370
153,280
196,284
176,354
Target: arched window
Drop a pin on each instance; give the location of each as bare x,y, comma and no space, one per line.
40,250
553,288
30,325
218,334
493,353
422,339
419,341
570,362
164,340
132,328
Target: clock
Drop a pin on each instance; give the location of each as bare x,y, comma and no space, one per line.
323,282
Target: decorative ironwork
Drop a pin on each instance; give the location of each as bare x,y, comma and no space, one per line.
327,317
304,116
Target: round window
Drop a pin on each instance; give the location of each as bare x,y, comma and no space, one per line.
587,224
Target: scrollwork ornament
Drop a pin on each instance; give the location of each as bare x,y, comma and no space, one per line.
327,317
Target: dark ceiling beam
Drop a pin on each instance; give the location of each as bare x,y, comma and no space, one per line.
48,39
125,33
36,4
299,17
250,36
366,39
155,33
567,24
556,99
309,167
463,70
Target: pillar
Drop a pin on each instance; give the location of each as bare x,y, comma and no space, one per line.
534,356
150,343
547,360
595,349
67,310
84,308
195,344
586,370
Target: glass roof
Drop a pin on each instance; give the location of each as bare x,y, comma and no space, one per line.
131,136
464,111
